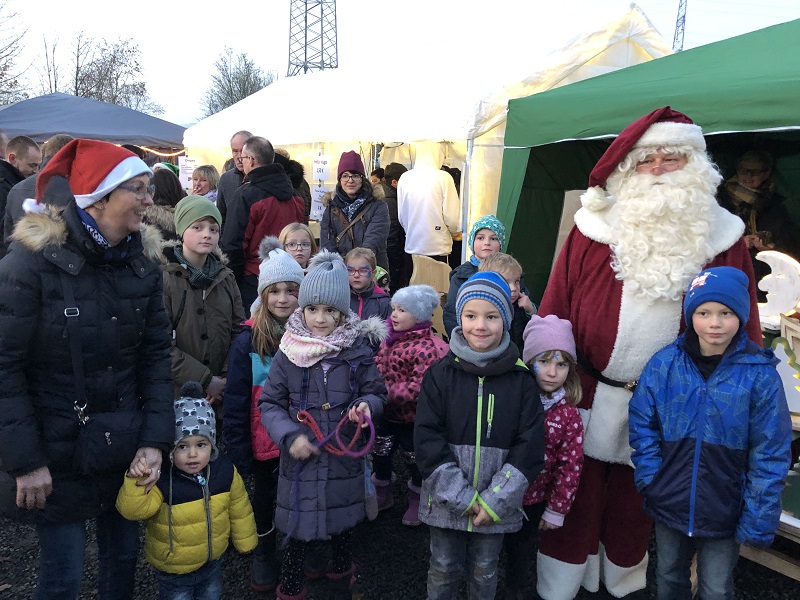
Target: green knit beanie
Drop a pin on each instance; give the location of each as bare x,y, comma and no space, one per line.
193,208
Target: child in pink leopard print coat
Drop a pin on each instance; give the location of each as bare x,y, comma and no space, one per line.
550,352
403,359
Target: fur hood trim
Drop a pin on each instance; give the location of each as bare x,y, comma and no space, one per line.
161,216
375,330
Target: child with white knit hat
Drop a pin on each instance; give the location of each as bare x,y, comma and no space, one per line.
403,358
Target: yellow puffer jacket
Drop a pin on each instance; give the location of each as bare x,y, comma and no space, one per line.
205,515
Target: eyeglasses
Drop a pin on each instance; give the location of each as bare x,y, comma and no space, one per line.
245,156
292,246
353,176
750,172
363,271
139,191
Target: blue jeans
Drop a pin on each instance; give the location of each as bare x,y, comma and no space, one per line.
456,553
716,559
62,547
203,584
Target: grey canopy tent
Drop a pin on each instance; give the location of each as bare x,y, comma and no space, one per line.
43,117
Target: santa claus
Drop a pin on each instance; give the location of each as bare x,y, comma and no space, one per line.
619,279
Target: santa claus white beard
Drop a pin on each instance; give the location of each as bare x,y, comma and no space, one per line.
661,228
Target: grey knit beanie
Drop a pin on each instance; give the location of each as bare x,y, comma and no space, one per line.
326,283
418,300
276,265
194,416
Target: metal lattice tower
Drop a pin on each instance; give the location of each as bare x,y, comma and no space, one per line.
680,26
312,36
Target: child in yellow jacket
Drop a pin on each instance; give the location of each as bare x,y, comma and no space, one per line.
194,509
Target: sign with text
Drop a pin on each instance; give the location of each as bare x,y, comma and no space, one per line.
317,208
321,166
187,166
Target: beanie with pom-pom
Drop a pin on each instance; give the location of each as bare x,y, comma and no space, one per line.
326,283
276,265
418,300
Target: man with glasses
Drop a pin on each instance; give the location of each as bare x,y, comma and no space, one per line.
262,206
21,160
232,179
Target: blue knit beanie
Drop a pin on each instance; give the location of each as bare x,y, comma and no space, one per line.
726,285
488,222
489,286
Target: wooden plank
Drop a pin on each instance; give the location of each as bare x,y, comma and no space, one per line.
772,559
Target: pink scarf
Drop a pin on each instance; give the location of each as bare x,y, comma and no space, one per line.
305,349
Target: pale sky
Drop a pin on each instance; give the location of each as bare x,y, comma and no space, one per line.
179,41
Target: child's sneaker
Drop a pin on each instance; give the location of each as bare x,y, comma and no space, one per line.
411,516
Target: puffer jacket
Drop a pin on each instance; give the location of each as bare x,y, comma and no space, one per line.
371,231
328,499
204,322
125,339
478,438
190,520
245,436
372,302
711,456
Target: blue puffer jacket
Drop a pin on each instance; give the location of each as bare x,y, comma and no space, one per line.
711,456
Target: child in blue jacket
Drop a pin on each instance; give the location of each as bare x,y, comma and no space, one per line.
710,431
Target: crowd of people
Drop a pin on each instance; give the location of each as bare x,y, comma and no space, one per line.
149,371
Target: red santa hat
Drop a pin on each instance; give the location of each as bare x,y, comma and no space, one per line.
661,128
92,168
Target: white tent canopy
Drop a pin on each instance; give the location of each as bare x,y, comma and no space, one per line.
321,112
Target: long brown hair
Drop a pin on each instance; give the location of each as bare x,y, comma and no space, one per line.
266,330
572,385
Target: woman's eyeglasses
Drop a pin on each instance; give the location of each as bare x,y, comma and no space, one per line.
292,246
353,176
139,191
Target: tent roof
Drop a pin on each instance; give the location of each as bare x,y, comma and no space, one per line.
45,116
738,84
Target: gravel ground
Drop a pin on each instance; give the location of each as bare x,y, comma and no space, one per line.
392,561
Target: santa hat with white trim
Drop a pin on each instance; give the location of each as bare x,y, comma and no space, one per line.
661,128
92,168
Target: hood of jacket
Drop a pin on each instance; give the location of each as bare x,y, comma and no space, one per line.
272,180
429,155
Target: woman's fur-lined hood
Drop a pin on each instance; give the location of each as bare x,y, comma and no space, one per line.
37,231
375,330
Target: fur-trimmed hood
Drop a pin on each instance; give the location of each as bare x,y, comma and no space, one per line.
375,330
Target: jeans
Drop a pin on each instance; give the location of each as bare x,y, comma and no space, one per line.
716,559
62,548
203,584
456,553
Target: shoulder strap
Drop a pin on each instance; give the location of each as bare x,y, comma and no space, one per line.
72,312
357,218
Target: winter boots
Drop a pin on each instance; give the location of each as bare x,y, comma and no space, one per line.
383,491
342,585
411,516
279,595
264,571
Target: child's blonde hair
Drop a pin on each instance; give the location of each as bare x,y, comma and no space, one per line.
266,330
499,262
291,228
364,254
572,386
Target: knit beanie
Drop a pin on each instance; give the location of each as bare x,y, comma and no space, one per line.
351,161
726,285
326,283
547,333
93,168
488,222
193,208
276,265
418,300
194,416
489,286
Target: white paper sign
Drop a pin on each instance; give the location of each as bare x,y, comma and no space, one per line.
320,169
187,166
317,208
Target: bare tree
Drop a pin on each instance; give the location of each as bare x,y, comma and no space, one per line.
49,76
11,88
235,79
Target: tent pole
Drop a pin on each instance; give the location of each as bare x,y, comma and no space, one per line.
465,193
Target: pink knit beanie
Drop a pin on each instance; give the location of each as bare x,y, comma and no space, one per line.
351,161
547,333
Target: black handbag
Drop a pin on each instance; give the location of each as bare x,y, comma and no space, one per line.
107,441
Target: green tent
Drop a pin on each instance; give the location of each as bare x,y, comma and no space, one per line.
743,91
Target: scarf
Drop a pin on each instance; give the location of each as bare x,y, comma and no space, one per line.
550,401
460,347
395,336
348,205
747,203
110,253
199,278
474,260
305,349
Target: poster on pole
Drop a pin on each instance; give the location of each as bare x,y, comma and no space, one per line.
187,166
317,208
321,168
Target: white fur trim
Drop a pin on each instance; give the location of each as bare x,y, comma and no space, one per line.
595,199
621,581
558,580
30,205
129,168
660,135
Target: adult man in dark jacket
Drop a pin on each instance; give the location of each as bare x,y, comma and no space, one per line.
22,159
263,205
93,253
232,178
400,265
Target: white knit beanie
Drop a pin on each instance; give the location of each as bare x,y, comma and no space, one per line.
276,265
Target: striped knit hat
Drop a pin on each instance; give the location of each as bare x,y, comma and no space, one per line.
489,286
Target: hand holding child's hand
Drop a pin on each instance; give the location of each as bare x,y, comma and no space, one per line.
215,389
138,469
481,517
301,448
546,526
525,303
151,459
363,408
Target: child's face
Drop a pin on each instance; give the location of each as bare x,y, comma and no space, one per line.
360,274
486,242
482,325
281,299
551,373
192,454
200,238
715,324
321,319
401,319
512,278
298,244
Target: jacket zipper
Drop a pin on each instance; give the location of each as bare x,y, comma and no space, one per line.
207,505
699,428
478,434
